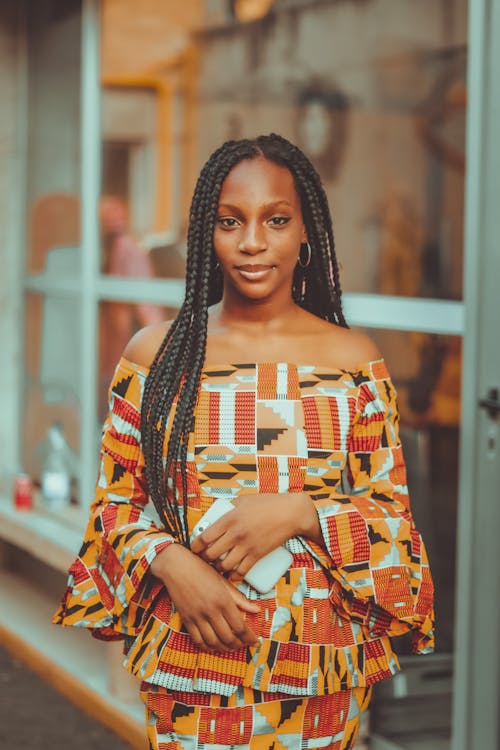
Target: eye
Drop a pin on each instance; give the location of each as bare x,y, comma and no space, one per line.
227,222
279,221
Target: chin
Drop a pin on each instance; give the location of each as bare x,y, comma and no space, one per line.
255,295
251,288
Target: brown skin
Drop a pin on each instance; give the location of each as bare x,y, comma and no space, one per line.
259,223
210,607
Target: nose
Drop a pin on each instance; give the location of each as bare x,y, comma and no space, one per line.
253,239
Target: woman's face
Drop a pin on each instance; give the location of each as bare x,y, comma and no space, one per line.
259,229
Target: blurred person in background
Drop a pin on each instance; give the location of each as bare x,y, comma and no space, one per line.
121,256
258,392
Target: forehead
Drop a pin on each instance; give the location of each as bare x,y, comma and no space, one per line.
259,179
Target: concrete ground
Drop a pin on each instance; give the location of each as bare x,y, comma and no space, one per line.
34,716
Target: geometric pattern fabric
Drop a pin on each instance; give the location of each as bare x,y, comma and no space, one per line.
257,721
265,428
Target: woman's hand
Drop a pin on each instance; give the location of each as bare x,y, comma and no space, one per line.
258,524
209,606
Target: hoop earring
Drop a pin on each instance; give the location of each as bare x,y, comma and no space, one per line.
309,254
217,266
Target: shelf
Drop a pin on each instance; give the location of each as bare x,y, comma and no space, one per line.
86,670
54,538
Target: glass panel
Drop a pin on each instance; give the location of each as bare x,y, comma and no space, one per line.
426,370
126,253
373,92
53,179
144,176
52,384
118,321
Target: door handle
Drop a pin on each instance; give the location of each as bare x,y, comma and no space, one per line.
491,403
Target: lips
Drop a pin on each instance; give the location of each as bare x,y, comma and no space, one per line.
252,268
254,272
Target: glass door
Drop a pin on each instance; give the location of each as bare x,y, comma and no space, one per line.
383,120
51,394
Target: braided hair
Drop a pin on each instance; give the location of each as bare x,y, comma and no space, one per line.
172,385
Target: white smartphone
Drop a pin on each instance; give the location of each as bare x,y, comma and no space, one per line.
266,571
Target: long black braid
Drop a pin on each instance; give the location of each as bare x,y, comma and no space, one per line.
173,381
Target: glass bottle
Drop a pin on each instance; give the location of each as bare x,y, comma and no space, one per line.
56,475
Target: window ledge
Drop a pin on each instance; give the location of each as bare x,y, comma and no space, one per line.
54,538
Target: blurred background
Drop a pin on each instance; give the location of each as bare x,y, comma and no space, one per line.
108,111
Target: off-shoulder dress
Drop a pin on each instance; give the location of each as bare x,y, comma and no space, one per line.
264,427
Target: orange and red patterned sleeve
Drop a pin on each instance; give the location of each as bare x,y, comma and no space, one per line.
379,562
107,590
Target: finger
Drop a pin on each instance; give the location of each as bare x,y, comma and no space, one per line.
226,563
242,602
218,549
241,630
216,530
196,545
235,577
195,634
237,571
202,541
210,641
217,635
244,566
225,632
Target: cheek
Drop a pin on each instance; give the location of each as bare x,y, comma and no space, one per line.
289,251
222,242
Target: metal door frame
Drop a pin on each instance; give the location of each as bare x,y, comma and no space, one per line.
477,652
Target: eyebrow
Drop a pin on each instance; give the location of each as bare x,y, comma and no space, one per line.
271,204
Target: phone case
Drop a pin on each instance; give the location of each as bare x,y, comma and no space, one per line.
264,575
218,509
268,570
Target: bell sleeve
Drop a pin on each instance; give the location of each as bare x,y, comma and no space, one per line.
379,565
108,588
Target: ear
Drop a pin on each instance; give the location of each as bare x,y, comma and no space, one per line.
303,239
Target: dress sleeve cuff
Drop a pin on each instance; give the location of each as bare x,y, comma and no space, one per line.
125,562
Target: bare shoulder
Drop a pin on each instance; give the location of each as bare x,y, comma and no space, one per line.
351,347
143,346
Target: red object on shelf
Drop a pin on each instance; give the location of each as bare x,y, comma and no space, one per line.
23,492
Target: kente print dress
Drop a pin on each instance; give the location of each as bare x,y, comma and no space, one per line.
324,630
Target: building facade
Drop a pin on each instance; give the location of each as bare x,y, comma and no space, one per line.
109,109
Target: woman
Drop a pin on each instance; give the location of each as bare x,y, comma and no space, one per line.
257,392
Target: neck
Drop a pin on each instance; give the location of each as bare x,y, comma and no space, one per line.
270,314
